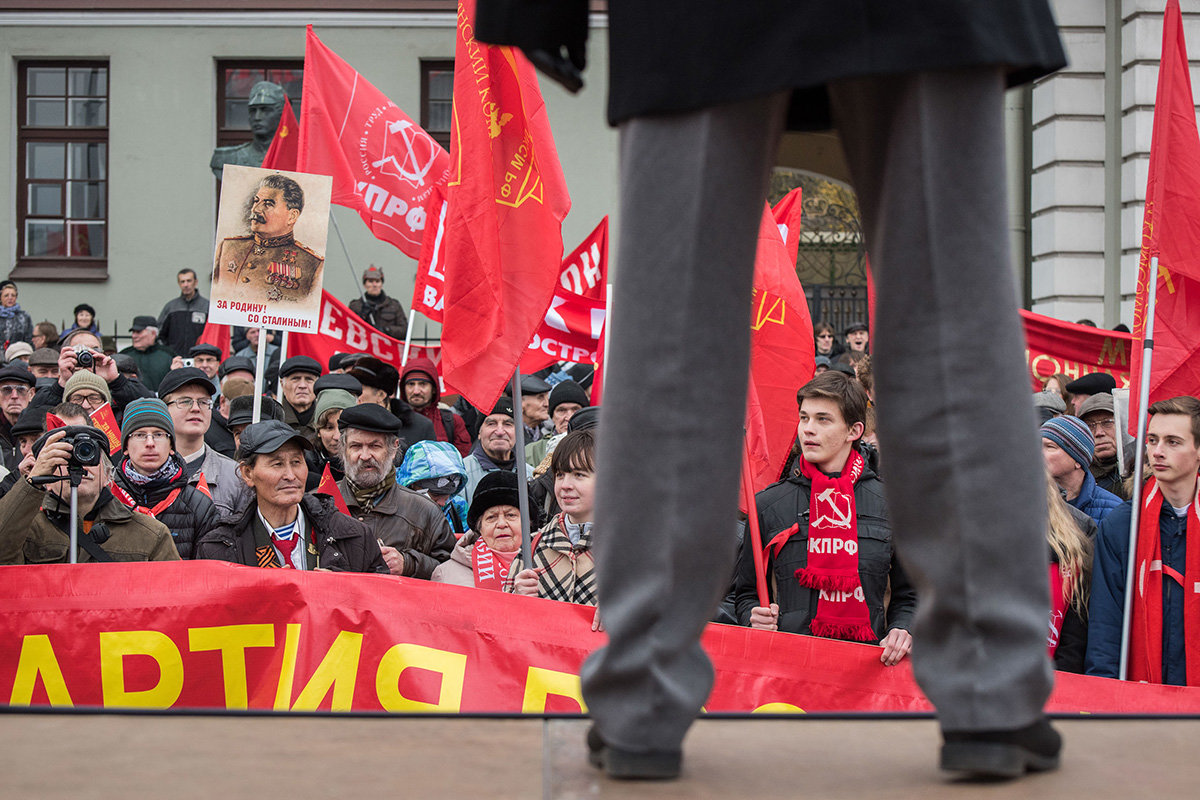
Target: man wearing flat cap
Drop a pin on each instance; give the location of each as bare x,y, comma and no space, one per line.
16,390
380,381
411,529
153,359
1098,413
535,406
207,359
282,527
493,449
297,376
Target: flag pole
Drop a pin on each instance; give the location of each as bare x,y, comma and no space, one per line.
354,275
752,529
1139,454
283,354
260,368
519,468
412,312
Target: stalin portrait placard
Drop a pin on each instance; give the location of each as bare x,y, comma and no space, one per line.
270,257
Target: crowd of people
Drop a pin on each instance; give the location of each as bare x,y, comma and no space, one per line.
432,489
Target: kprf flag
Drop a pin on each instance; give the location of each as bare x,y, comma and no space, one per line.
284,151
506,202
429,288
781,344
1171,231
574,323
384,166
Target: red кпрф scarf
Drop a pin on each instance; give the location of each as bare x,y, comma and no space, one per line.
833,554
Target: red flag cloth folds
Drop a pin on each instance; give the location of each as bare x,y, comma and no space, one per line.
218,336
383,165
284,151
781,345
1171,230
1053,346
329,486
507,200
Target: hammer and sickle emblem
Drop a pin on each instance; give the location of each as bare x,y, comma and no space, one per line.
831,512
409,135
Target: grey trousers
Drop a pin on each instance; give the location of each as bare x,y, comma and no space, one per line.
963,480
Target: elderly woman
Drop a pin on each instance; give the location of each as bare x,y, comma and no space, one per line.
327,444
283,527
153,479
483,556
15,324
435,469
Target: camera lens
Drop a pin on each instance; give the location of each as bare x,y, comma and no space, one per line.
85,360
85,451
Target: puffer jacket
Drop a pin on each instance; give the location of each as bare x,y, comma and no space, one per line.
426,460
1094,501
188,516
784,504
342,544
405,520
34,524
448,426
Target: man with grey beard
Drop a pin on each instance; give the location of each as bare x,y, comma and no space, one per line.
412,531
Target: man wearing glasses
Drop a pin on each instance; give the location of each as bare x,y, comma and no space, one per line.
188,392
1098,414
16,390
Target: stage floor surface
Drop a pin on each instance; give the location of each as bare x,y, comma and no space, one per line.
51,756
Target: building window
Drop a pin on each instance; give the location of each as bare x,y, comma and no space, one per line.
234,81
62,170
437,99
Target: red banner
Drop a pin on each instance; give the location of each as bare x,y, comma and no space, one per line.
384,166
206,634
574,322
1053,346
340,330
429,287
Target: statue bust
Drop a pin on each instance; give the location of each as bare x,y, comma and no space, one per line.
266,108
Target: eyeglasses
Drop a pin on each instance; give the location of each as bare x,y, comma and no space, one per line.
14,391
88,399
187,402
1101,425
150,436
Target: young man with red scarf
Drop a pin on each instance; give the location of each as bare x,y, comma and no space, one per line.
826,537
1164,636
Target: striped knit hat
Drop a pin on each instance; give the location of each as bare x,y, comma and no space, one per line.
1072,435
146,412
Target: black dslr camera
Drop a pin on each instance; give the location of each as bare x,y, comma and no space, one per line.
87,446
84,358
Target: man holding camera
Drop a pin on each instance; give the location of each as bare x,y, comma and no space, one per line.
35,514
82,352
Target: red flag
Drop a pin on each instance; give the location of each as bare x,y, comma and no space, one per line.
285,147
384,166
781,348
507,200
574,322
104,419
429,288
203,486
1171,231
54,421
1053,346
329,486
217,335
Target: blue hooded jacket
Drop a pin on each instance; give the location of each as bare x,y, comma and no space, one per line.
429,459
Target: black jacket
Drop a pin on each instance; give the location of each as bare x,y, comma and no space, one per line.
413,426
218,435
383,313
684,55
190,515
786,503
343,544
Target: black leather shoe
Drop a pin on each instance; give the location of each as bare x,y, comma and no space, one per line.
628,765
984,755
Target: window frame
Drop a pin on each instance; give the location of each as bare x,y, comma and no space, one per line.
429,65
227,137
58,268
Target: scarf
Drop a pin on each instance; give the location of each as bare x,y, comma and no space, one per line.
1145,633
167,471
490,567
367,497
149,485
10,311
832,567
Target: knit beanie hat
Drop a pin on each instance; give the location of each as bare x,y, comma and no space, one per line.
328,400
568,392
1073,436
146,412
86,379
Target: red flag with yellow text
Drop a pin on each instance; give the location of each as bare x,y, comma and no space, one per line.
1171,231
506,202
285,147
781,344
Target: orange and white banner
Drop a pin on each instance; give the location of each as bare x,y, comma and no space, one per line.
206,634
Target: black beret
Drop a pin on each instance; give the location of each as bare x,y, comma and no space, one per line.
178,378
377,374
241,410
267,437
234,364
335,361
31,420
205,350
17,371
495,488
1092,383
338,380
369,417
584,418
140,323
300,364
